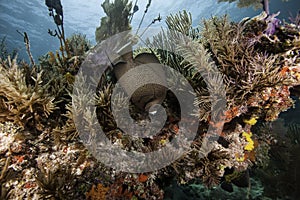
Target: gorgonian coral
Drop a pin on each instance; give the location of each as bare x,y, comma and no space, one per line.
24,100
257,82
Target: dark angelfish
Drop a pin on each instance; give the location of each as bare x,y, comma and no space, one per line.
149,94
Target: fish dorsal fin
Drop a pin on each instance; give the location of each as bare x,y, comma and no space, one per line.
146,58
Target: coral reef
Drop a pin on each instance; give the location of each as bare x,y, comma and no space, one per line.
24,97
41,155
33,167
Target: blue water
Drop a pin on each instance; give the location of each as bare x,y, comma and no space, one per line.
84,17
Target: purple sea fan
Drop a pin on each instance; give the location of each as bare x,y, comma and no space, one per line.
272,24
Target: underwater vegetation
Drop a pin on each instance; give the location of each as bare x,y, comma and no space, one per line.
43,157
24,100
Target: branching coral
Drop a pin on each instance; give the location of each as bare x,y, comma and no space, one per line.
181,22
246,69
59,73
256,80
22,102
78,44
250,67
